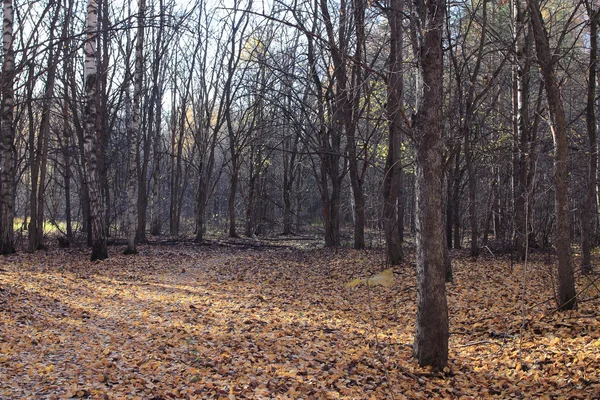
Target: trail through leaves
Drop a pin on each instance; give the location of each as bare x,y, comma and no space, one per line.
191,322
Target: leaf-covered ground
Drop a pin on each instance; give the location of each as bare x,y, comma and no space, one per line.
203,322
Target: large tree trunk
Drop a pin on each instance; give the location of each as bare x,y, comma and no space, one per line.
331,136
44,134
523,53
8,134
566,283
589,217
393,169
156,104
351,109
102,117
431,338
133,131
67,63
99,250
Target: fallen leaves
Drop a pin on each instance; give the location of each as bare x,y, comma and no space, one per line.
201,322
385,279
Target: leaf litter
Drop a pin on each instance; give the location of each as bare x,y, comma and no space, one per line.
204,322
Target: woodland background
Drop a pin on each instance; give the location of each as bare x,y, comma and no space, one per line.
240,128
362,123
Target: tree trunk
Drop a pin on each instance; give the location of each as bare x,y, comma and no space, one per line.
251,207
472,183
35,150
231,198
155,225
566,283
287,199
589,213
99,250
132,133
455,200
431,338
67,177
143,158
393,169
156,104
39,153
102,119
523,50
67,62
8,134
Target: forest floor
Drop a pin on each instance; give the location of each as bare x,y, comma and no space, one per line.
230,322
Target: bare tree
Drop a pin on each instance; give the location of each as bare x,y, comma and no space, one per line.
132,131
524,132
8,134
589,217
39,153
566,299
431,338
99,250
395,114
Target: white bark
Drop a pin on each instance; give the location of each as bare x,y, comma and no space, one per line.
134,130
99,251
7,134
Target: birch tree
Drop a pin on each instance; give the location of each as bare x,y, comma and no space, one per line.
133,130
8,134
99,250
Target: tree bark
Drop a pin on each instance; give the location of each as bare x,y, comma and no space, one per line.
523,50
431,338
8,134
566,299
352,110
231,198
393,169
99,250
156,104
132,133
589,217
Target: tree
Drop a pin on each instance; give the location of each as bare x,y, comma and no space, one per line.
39,153
524,131
589,219
99,250
431,338
132,131
566,296
8,134
395,114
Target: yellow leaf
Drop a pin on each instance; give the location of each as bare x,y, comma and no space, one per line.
354,283
385,279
